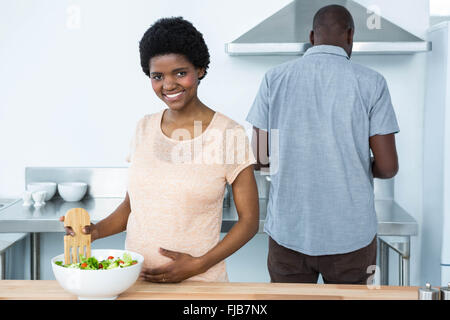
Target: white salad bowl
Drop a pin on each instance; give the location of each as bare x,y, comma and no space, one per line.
72,191
98,284
49,187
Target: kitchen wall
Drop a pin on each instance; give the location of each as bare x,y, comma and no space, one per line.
73,90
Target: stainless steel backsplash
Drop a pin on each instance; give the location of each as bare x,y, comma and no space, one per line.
112,181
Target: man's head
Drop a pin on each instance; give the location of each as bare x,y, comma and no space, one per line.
333,25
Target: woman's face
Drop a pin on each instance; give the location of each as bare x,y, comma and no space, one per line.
174,79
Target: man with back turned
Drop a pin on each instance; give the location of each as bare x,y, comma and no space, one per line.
329,114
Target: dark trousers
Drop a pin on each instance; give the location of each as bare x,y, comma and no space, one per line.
286,265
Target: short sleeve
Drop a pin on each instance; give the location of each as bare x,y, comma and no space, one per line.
132,148
133,142
258,115
238,153
382,119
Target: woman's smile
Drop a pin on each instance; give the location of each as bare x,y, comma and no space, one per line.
171,97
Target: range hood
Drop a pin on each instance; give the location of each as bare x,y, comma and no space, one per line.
287,32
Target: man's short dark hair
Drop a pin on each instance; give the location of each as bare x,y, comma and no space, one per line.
173,35
333,17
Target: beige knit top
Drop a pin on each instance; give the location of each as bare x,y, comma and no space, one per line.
176,188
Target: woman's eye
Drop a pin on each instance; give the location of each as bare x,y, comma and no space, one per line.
156,77
181,73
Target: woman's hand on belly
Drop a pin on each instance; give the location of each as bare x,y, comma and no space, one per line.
182,267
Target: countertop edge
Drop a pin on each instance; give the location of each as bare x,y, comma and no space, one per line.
50,289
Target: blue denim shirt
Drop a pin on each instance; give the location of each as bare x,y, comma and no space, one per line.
320,110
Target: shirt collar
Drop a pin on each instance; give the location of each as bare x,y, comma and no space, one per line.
327,49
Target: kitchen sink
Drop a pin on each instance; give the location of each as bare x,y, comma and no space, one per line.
5,202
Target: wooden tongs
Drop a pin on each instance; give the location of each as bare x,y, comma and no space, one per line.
77,218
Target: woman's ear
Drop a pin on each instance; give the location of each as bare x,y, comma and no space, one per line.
200,73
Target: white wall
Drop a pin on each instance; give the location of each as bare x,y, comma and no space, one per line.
71,97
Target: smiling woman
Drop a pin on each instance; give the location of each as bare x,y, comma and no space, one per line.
173,208
175,57
177,205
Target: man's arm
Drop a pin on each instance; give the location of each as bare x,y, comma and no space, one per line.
260,148
385,160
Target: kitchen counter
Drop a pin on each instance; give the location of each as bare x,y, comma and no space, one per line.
141,290
392,219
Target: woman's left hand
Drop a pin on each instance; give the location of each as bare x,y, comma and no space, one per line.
181,268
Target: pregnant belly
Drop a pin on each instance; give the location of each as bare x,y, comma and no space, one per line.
147,242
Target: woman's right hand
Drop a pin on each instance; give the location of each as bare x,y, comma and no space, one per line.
92,230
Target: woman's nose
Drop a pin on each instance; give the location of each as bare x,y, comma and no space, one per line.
169,84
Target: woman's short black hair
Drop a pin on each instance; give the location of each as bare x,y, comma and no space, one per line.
173,35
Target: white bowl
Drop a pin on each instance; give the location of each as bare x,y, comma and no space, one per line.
50,187
72,191
98,284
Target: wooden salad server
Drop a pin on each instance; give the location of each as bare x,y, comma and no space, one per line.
77,218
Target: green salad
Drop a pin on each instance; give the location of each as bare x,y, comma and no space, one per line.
93,264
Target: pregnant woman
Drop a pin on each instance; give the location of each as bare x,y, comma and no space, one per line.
181,160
